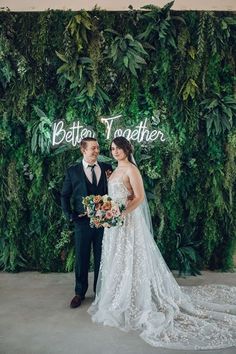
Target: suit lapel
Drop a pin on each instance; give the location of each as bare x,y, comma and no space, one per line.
81,177
102,173
103,179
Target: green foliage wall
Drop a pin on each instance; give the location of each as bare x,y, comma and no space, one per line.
178,67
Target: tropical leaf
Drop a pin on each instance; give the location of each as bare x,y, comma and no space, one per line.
187,256
127,54
159,29
218,112
41,133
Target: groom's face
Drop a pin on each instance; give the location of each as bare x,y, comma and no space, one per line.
91,151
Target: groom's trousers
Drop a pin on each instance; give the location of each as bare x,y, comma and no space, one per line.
86,238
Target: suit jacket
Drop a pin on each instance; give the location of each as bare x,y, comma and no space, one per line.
75,188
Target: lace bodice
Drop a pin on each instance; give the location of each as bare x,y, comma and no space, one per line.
117,190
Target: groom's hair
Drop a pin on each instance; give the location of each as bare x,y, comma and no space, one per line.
84,141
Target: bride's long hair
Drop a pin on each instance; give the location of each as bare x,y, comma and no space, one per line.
124,144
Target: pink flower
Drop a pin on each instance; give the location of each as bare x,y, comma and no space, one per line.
109,215
116,211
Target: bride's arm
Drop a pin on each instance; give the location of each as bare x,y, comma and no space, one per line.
136,183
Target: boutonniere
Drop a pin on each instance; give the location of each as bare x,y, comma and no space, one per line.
108,173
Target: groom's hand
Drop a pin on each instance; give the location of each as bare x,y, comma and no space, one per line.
130,197
75,217
81,215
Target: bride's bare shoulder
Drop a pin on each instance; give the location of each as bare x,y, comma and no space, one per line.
133,169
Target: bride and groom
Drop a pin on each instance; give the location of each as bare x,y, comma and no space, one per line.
134,288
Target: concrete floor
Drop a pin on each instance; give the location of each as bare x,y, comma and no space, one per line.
35,318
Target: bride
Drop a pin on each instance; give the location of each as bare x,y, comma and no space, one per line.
137,291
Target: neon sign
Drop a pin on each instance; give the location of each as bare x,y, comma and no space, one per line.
75,133
72,135
139,133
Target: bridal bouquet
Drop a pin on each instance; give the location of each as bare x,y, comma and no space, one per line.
103,211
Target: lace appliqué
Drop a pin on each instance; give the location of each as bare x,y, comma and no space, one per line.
136,290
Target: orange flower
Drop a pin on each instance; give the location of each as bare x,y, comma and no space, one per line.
106,206
97,199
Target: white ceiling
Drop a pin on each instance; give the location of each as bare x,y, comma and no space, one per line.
121,5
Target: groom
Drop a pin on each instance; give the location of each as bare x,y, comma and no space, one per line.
85,178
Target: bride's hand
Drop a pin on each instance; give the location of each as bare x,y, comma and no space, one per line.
123,214
108,173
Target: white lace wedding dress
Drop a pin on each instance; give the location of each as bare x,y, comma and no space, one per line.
137,291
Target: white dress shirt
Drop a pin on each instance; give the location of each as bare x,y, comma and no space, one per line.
88,170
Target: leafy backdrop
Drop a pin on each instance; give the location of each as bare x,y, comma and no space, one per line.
174,67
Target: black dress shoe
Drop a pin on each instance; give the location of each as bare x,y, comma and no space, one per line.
76,301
